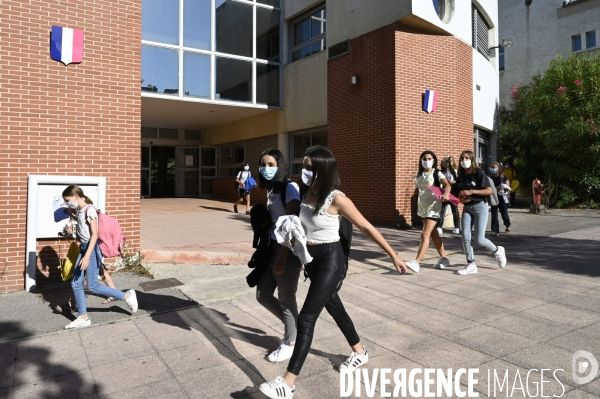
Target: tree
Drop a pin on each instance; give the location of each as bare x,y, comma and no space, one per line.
553,130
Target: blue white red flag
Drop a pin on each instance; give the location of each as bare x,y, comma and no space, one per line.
430,102
66,45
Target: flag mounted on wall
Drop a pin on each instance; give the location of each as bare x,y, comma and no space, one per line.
430,101
66,45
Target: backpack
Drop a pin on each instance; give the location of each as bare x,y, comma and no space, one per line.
436,178
493,198
111,240
250,183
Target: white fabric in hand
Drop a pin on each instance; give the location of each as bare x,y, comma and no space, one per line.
288,227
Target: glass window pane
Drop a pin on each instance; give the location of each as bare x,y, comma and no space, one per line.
301,31
234,79
301,53
267,34
145,157
196,75
576,42
226,155
234,28
208,157
149,132
196,24
296,169
301,144
193,135
317,23
160,21
267,84
238,154
164,133
274,3
160,70
319,138
590,39
318,46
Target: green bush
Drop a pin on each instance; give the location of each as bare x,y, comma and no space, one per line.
552,130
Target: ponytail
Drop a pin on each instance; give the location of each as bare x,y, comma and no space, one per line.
74,189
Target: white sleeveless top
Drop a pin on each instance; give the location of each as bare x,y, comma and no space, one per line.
321,228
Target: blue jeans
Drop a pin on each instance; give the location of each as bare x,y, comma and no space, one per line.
475,215
92,273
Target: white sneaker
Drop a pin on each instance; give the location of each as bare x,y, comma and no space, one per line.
355,360
456,231
132,301
413,265
440,231
284,352
442,263
500,255
277,389
470,269
78,323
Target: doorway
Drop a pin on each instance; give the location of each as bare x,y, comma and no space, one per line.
158,172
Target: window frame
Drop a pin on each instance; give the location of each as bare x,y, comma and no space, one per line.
573,38
588,35
220,157
296,161
312,40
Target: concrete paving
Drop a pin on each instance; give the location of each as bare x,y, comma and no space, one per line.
532,315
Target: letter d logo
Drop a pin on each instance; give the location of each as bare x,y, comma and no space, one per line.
581,367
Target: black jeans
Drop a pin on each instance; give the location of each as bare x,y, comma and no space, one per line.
503,207
455,216
325,273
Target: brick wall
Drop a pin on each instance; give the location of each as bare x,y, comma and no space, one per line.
377,129
81,119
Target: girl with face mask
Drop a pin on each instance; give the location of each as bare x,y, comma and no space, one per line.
503,188
472,189
240,179
322,205
448,169
429,209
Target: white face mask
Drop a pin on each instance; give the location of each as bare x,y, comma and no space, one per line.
307,177
72,204
246,167
427,164
466,163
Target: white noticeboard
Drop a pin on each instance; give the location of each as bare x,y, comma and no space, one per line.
47,193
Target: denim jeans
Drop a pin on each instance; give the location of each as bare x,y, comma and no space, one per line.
475,215
284,307
92,273
503,207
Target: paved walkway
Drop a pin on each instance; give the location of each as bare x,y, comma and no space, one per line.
534,314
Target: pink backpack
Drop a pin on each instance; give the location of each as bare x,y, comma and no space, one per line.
111,240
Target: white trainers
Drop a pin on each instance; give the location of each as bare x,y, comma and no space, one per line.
500,255
355,360
78,323
442,263
440,231
470,269
413,265
277,389
132,301
456,231
284,352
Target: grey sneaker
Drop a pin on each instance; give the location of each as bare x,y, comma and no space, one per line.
78,323
413,265
470,269
500,255
442,263
132,301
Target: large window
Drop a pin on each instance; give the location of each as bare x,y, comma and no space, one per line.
230,159
590,39
576,43
233,43
481,33
308,34
300,142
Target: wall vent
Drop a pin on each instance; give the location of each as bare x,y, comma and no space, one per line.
339,49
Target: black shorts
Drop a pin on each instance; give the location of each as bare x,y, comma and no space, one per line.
243,193
434,219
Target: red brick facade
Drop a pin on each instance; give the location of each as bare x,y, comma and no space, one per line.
81,119
377,129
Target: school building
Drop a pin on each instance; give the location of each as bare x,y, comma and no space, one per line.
170,96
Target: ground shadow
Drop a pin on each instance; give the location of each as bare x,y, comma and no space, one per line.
212,208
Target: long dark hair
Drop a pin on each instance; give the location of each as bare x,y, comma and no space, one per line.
325,174
474,167
421,168
282,175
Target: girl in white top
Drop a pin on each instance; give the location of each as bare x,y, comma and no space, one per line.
429,209
322,205
240,179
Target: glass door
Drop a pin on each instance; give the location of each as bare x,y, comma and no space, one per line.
188,184
145,175
208,169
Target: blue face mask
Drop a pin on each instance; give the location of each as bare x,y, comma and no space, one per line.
493,171
268,172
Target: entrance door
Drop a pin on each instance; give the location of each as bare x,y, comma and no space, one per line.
162,171
188,184
208,170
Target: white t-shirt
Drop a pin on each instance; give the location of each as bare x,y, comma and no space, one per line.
83,229
275,206
243,176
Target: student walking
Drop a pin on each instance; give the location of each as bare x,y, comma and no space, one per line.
502,185
240,179
88,261
274,176
447,166
472,189
322,205
429,209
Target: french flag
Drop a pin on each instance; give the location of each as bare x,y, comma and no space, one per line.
66,45
430,102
